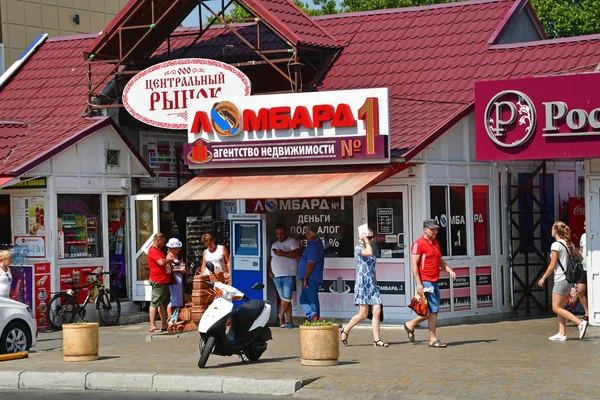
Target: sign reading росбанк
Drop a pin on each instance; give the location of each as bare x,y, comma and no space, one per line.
552,117
335,127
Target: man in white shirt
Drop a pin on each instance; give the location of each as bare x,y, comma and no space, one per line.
283,267
582,284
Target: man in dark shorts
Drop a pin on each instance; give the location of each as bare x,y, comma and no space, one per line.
426,261
160,277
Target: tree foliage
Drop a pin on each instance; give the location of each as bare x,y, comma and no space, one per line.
560,18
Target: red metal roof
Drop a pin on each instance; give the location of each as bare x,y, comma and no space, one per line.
44,102
293,23
428,57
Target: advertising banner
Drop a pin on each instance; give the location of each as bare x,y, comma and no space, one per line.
80,278
337,127
160,151
21,288
42,279
462,289
553,117
484,286
576,207
444,284
29,216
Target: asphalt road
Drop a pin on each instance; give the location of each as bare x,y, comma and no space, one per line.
102,395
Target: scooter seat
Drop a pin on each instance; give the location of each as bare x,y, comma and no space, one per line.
250,310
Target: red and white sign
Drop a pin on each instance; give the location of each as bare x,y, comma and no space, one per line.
161,95
538,118
36,245
334,127
41,289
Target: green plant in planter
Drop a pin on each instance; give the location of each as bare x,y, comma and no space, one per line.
318,322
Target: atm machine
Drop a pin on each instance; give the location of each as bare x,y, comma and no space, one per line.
248,253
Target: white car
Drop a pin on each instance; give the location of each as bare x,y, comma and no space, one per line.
18,330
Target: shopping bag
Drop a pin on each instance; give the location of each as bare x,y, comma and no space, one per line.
572,299
419,305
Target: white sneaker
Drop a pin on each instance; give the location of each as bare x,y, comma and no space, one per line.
558,337
582,329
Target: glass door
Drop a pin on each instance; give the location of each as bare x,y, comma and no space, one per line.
145,224
387,216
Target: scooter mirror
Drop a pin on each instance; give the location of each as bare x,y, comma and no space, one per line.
210,266
257,286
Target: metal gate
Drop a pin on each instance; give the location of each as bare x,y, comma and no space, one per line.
529,238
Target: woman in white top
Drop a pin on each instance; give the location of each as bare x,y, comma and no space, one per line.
216,254
561,250
5,275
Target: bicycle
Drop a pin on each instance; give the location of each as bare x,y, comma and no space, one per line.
64,307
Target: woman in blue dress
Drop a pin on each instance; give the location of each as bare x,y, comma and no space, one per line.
366,291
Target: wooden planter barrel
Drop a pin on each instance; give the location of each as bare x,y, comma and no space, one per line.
320,345
201,297
80,341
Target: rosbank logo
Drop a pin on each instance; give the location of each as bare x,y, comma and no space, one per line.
510,118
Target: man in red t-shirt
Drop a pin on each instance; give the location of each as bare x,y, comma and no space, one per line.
426,261
160,277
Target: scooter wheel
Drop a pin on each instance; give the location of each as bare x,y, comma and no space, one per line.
206,348
180,328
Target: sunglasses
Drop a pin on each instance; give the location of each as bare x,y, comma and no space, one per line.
370,237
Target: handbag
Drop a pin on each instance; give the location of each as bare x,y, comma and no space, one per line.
370,314
419,305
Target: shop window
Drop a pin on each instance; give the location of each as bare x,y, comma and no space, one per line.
332,216
117,244
448,207
386,219
481,220
79,225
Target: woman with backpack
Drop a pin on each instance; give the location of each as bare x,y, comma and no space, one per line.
562,251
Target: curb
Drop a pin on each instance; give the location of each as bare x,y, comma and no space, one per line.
146,382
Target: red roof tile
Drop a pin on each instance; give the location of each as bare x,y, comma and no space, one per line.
428,57
293,23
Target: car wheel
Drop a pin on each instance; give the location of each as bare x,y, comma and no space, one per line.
15,338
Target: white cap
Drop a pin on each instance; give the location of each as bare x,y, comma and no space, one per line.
174,243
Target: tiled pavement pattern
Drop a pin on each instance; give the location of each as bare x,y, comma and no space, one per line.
506,360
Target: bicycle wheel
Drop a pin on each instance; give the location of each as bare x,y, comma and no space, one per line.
61,310
109,308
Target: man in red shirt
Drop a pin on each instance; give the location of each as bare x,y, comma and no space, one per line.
160,277
426,261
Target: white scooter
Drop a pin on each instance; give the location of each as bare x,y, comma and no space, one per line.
248,333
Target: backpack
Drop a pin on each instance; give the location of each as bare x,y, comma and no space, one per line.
574,270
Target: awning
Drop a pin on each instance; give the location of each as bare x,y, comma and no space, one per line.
336,184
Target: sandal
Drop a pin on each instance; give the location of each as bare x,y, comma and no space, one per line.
380,343
410,333
343,332
438,344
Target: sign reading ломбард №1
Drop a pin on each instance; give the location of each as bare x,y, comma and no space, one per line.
337,127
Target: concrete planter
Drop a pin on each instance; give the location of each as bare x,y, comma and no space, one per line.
320,345
80,341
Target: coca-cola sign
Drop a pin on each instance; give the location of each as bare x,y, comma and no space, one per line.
579,210
538,118
161,95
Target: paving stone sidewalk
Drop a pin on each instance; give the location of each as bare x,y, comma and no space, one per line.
505,360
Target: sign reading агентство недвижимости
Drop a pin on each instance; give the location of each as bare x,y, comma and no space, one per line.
336,127
538,118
